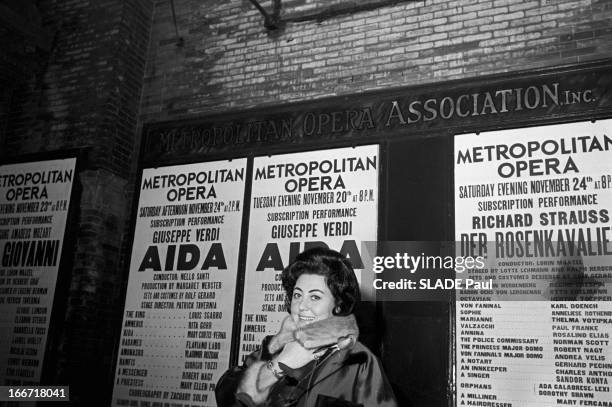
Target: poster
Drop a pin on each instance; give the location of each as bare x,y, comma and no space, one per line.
178,316
325,197
538,203
34,203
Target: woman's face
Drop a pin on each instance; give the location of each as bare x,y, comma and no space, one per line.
311,300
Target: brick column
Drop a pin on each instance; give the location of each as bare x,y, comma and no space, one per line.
86,95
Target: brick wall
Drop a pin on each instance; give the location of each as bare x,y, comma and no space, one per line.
88,93
85,95
12,71
229,60
21,55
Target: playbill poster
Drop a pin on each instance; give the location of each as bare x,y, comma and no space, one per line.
178,316
301,200
34,203
537,202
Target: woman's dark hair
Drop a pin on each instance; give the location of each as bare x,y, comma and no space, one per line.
337,270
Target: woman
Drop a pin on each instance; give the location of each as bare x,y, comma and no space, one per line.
315,359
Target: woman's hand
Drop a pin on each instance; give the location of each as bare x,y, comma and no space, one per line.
333,330
284,336
295,355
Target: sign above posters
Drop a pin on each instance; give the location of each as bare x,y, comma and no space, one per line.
451,107
536,201
177,323
302,200
34,204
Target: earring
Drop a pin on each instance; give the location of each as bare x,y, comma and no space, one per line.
337,309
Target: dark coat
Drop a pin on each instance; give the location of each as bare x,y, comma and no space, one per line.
340,378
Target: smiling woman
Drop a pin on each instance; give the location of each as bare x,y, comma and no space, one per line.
311,300
315,358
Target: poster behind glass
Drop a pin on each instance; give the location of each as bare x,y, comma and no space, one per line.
301,200
177,322
538,202
34,203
